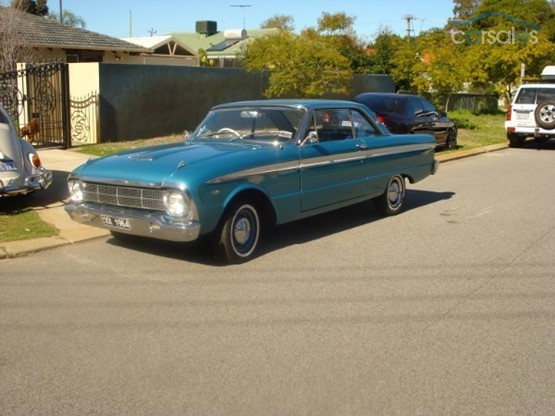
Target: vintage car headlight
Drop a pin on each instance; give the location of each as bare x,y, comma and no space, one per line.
75,191
177,204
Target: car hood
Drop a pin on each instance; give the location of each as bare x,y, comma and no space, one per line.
160,166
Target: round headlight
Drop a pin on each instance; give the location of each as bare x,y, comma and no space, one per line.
75,191
177,204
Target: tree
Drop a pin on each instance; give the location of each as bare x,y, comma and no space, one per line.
465,9
509,34
279,21
12,50
36,7
381,52
69,18
304,65
335,23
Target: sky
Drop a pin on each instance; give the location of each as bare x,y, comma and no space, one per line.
122,18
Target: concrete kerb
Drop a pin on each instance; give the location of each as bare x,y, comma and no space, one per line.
69,232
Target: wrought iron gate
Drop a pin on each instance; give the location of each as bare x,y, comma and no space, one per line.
36,98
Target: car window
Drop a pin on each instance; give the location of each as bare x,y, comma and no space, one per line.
413,107
546,94
363,128
340,124
332,124
526,96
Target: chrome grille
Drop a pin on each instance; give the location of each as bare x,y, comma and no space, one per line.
124,196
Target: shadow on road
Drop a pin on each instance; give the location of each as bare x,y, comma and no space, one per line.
298,232
539,145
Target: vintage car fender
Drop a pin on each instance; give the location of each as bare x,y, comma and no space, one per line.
21,170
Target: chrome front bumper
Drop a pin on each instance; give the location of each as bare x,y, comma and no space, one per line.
39,181
142,223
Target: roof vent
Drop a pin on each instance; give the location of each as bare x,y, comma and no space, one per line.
206,27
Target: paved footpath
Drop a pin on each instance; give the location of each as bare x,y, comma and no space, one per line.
49,204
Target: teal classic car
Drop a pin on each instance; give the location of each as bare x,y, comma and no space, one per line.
250,165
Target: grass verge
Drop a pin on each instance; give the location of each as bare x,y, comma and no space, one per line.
19,222
478,130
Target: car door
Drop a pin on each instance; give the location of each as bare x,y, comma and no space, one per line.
331,161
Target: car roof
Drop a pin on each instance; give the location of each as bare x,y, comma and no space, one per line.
297,103
385,94
541,85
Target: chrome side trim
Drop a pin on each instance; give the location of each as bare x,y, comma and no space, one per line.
275,168
359,154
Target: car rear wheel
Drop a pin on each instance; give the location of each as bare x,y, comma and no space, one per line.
239,233
545,115
515,140
391,201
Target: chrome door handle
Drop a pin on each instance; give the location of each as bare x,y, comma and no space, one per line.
362,146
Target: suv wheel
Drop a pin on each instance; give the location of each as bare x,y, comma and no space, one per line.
515,140
545,115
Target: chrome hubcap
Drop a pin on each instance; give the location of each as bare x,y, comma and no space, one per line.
242,231
395,193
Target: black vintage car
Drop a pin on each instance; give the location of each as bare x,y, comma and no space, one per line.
406,113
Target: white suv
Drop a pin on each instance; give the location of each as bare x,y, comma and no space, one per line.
532,112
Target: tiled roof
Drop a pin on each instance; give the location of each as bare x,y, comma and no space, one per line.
38,31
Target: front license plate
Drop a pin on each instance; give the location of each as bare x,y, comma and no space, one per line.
8,166
116,222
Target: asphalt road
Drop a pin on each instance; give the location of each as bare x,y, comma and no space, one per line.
446,309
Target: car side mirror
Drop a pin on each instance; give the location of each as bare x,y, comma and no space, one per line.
311,138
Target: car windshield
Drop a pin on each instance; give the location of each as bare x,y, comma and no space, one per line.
250,123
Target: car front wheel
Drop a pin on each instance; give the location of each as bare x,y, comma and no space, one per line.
239,233
451,142
391,201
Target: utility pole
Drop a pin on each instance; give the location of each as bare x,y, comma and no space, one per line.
61,13
152,32
409,18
